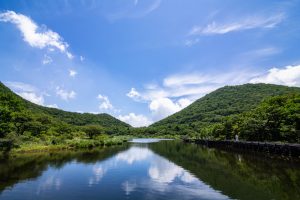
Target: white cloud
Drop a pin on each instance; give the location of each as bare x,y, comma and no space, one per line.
104,103
185,79
34,35
16,86
47,60
289,75
69,55
72,73
251,22
65,95
164,107
135,120
33,97
189,86
52,106
259,54
27,91
134,94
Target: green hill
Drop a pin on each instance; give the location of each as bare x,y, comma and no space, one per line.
72,118
214,108
23,122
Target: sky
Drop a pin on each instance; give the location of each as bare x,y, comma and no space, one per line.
143,60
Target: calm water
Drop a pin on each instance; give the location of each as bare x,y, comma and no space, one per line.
156,170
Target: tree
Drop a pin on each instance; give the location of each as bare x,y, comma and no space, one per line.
20,121
93,130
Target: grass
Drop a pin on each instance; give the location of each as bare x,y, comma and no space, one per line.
76,143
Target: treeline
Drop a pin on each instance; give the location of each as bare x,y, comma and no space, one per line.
275,119
23,124
255,112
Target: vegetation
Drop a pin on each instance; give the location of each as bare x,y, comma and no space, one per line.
275,119
246,110
261,112
26,126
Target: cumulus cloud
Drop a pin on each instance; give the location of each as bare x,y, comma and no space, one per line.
72,73
64,94
289,75
33,97
34,35
251,22
135,120
134,94
104,103
164,107
29,92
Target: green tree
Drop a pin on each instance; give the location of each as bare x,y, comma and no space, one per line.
93,130
20,121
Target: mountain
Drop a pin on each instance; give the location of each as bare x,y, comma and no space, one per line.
216,106
11,102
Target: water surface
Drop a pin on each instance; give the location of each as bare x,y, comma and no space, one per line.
141,170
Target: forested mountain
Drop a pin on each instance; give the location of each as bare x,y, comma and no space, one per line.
72,118
22,122
206,116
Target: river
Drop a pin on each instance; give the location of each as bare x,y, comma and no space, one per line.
148,169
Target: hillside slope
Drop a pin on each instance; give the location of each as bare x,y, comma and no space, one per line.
73,118
216,106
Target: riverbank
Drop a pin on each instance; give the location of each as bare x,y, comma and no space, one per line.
73,144
266,148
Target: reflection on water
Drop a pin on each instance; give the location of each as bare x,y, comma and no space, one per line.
147,140
143,171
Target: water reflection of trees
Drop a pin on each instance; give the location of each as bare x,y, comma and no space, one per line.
238,176
17,168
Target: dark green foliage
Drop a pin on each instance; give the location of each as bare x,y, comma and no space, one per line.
93,131
218,114
223,102
275,119
23,122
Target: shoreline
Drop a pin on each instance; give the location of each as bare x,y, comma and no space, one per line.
265,148
53,148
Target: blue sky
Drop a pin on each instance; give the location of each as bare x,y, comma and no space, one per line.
142,60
